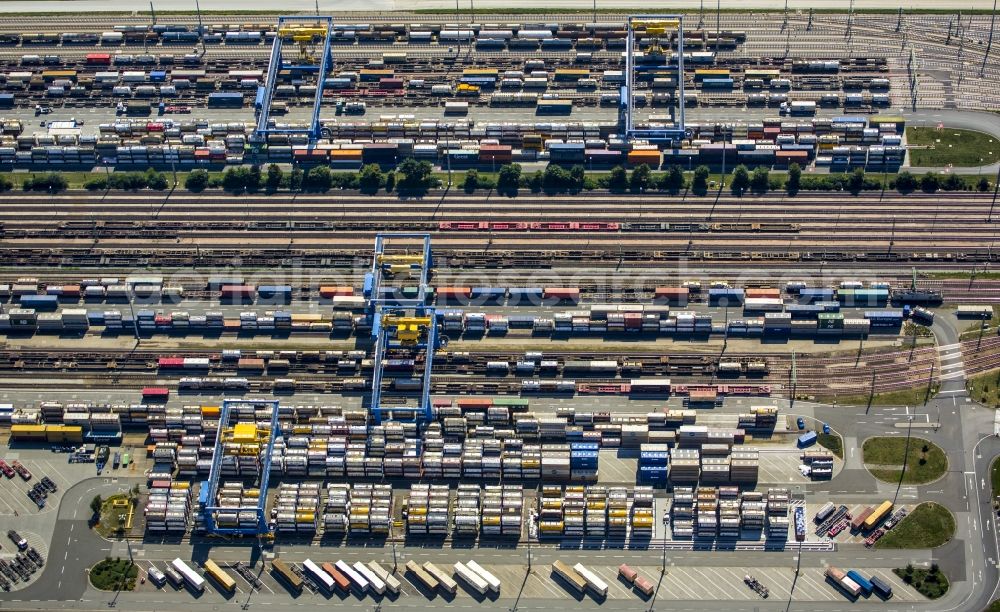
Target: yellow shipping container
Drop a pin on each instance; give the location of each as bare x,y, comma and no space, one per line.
27,433
303,317
210,411
64,433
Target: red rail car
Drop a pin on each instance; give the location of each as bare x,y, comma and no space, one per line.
170,362
155,393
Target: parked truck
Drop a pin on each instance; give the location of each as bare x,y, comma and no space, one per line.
568,574
861,581
839,578
471,578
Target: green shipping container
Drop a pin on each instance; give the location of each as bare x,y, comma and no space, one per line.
830,320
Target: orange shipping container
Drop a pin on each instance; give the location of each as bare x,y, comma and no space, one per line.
762,292
644,157
329,292
342,154
453,292
209,412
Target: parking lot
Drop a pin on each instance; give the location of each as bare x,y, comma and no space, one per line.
678,583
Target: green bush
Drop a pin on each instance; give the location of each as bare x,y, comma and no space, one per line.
699,184
50,181
196,181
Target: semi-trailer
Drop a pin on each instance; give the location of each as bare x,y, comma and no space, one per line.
375,584
839,578
568,574
596,585
471,578
391,582
358,581
421,574
445,581
881,587
861,581
491,580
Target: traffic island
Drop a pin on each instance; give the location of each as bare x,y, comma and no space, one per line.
931,583
929,525
114,574
910,460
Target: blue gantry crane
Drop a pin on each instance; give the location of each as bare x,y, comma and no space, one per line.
401,319
306,31
244,438
654,26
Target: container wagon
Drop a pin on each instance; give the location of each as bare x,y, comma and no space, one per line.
220,576
491,580
426,579
291,580
444,581
569,575
191,577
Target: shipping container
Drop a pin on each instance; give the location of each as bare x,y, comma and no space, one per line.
220,576
291,580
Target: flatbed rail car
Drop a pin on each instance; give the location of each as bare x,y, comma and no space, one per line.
220,576
569,575
445,581
321,578
421,574
191,577
291,580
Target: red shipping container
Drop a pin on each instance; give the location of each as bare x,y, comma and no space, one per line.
241,290
155,392
762,292
71,290
440,403
101,59
170,362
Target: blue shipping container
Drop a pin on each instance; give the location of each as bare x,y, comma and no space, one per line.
807,439
881,588
488,292
40,302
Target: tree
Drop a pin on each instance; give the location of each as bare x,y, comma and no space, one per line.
856,181
641,179
983,185
317,179
274,178
296,179
906,182
471,181
253,179
370,178
672,180
50,181
794,179
554,179
156,180
390,182
952,182
577,179
760,180
96,183
6,184
700,182
535,181
741,180
618,179
196,181
236,180
508,179
416,175
95,504
929,183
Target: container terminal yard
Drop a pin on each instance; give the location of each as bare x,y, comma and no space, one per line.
477,399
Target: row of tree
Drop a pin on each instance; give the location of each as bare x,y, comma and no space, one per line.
413,177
